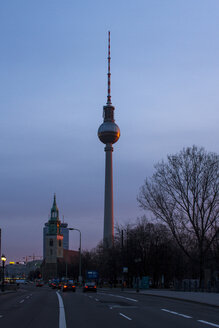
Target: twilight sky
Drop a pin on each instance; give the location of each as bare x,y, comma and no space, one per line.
53,82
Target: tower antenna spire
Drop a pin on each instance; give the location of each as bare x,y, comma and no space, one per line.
109,74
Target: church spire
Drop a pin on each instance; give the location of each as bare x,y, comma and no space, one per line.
54,210
54,206
54,222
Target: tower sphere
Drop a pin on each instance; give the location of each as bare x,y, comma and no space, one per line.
108,132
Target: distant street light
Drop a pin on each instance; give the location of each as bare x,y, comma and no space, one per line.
80,276
3,258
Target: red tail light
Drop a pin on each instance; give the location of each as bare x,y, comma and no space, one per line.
73,286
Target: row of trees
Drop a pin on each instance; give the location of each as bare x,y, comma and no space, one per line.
147,249
181,237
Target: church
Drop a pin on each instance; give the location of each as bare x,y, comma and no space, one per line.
58,262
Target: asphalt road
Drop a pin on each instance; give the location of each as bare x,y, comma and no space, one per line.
33,307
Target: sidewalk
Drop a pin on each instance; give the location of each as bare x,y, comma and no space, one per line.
195,297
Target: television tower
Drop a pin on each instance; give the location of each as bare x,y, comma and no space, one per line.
108,133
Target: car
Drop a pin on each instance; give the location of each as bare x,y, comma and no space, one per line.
66,286
56,284
90,286
39,283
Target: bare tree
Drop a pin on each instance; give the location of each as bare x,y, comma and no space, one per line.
184,193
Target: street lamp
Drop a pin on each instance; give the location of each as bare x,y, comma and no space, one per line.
80,277
3,258
137,261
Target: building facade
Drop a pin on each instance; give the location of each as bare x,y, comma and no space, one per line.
64,231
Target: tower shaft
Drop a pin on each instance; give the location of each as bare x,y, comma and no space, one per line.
109,134
108,233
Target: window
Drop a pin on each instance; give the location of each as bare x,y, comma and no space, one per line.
50,251
60,243
50,242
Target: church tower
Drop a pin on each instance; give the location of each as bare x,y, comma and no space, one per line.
53,242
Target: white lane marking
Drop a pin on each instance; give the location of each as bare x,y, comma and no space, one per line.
1,316
126,298
123,307
27,297
208,323
62,321
21,301
185,316
90,296
169,311
96,299
176,313
123,315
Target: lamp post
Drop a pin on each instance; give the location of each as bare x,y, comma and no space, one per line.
3,258
80,277
137,261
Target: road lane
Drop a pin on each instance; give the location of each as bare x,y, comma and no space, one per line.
143,314
31,307
150,307
87,310
141,311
